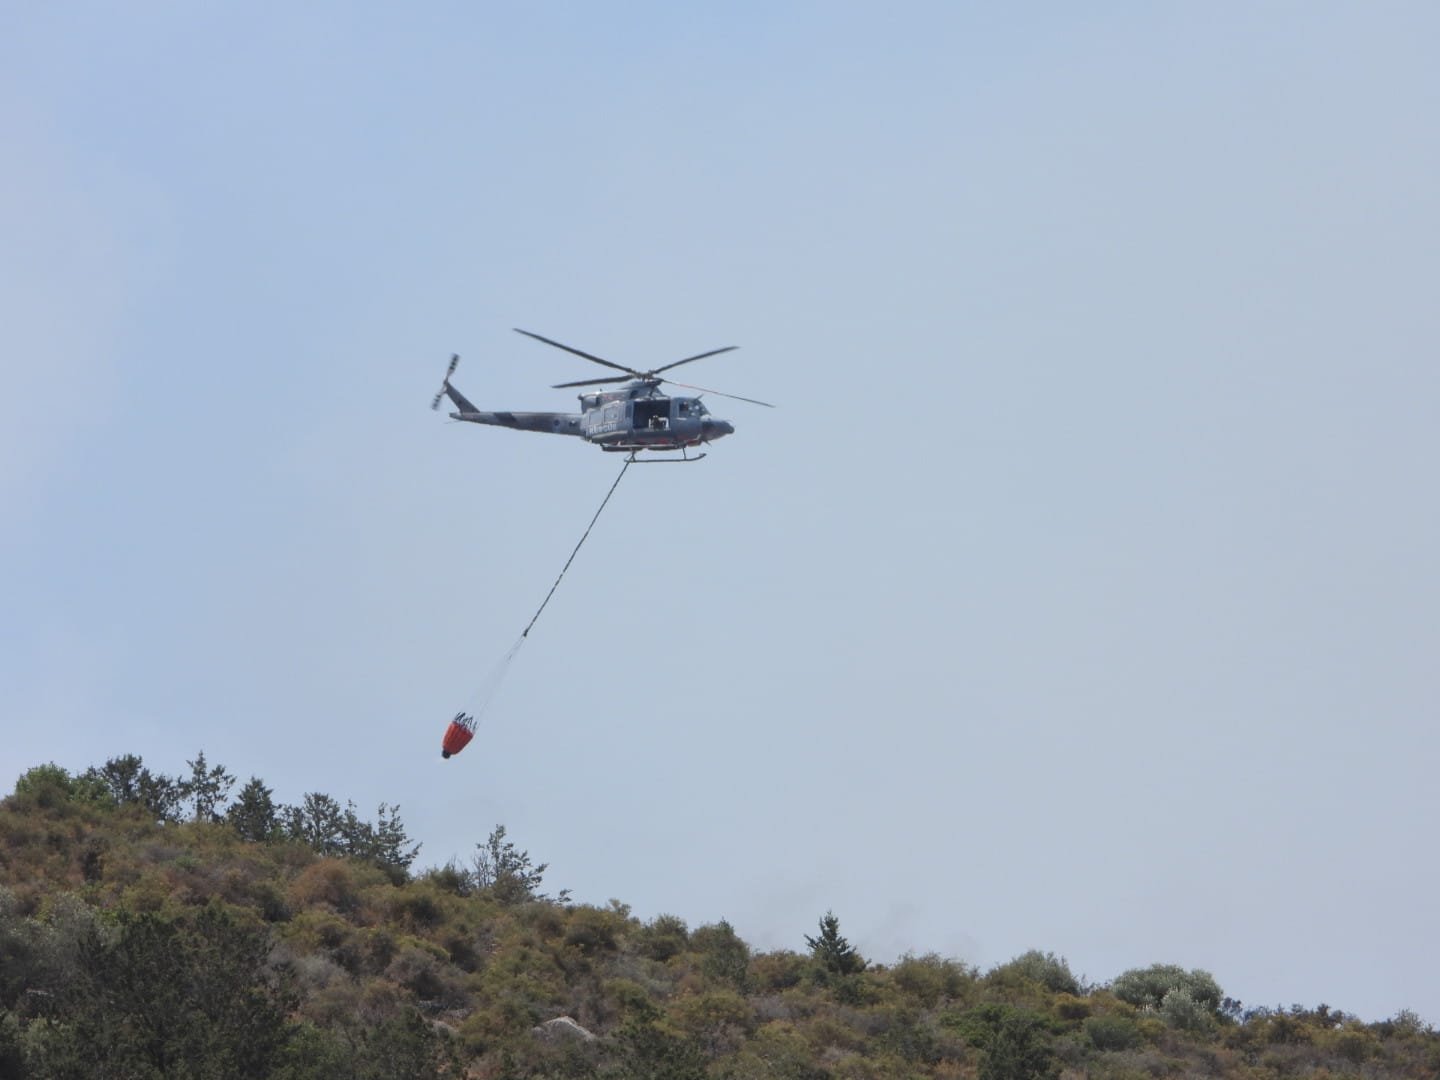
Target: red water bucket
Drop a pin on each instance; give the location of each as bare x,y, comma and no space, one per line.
457,735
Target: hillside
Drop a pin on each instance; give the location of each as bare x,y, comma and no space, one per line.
154,926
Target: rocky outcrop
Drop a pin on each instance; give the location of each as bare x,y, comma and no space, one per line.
561,1029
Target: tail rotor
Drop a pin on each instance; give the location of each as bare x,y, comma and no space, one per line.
454,363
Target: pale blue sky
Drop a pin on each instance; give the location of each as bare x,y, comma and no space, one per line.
1081,594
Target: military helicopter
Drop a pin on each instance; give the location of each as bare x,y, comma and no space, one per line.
633,418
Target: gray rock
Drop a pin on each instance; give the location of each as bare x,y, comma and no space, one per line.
562,1027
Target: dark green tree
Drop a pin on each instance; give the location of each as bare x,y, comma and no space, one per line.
128,781
649,1052
393,848
161,795
508,873
384,842
46,786
404,1047
12,1057
40,955
121,776
318,1054
1019,1049
831,951
318,821
207,788
20,963
169,998
254,814
724,956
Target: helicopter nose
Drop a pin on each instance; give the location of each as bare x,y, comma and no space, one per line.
711,430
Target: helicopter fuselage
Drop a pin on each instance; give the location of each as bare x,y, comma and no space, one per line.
635,417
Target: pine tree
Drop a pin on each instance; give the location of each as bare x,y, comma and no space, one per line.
207,788
253,814
833,952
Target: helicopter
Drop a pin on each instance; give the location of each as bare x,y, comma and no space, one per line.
637,417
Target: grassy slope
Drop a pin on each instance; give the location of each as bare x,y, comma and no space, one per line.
665,1000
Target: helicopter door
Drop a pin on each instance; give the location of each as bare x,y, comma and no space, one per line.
652,414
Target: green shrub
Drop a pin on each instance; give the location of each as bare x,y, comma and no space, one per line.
45,786
717,1020
1146,987
1354,1044
451,878
931,979
419,906
1282,1029
593,930
329,883
271,903
1112,1033
1070,1007
1150,1029
663,937
1019,1048
724,957
777,1052
1181,1011
776,971
426,975
909,1035
630,1000
1046,969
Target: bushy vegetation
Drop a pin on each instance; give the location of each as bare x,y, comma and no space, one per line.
155,926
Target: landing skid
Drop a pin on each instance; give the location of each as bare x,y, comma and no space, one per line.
683,459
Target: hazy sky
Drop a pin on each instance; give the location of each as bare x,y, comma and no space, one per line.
1082,594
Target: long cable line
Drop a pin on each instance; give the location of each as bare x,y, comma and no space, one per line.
578,546
480,700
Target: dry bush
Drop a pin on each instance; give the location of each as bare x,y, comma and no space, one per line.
777,970
663,937
594,930
315,972
718,1020
328,883
150,893
930,980
424,972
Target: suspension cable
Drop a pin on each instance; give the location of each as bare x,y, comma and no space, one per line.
578,546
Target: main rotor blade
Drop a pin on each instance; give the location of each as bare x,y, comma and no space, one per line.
592,382
712,352
718,393
577,352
